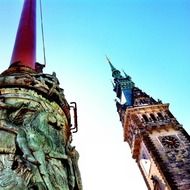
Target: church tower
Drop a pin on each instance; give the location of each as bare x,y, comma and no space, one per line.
158,143
35,122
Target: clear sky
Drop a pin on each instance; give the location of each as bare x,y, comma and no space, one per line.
149,39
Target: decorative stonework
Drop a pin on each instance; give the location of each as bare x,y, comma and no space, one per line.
158,143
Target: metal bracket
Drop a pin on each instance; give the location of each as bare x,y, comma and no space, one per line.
74,129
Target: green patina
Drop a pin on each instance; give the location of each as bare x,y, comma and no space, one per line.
35,135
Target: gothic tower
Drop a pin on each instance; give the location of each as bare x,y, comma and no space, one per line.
35,122
158,143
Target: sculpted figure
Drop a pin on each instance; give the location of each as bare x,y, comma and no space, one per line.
43,145
41,157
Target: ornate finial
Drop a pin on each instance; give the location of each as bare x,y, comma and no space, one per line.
24,52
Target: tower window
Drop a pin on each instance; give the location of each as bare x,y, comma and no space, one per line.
145,117
160,116
153,117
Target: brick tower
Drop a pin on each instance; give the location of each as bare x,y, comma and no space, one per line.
158,143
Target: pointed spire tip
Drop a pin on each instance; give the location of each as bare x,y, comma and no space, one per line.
108,59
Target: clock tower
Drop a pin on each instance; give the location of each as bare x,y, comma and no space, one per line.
158,142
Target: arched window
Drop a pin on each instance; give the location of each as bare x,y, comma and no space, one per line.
153,117
160,116
145,117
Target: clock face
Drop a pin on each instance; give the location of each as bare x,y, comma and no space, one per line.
170,142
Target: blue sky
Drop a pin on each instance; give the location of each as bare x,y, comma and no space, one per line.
149,39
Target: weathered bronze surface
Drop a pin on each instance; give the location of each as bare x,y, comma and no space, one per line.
35,134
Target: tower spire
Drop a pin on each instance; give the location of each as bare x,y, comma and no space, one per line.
123,86
24,52
112,67
115,72
159,144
